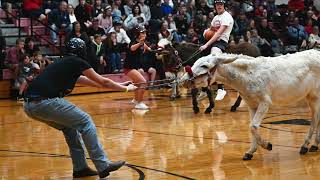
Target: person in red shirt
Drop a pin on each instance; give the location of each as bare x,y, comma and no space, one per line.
33,9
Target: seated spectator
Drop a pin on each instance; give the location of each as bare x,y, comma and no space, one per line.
49,5
116,12
72,16
33,9
113,52
26,74
243,23
314,38
166,33
97,55
59,21
135,19
40,61
105,19
308,27
166,8
297,35
96,29
182,21
83,13
98,8
128,7
192,36
255,39
30,47
13,56
145,9
122,37
78,32
272,42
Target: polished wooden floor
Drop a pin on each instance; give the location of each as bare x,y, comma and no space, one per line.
166,142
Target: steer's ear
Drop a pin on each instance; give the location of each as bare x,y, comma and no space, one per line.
225,60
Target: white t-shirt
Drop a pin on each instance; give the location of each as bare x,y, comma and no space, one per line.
223,19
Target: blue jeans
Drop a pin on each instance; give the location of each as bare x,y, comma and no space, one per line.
53,34
77,127
115,61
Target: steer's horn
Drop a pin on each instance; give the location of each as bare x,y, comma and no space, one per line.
225,60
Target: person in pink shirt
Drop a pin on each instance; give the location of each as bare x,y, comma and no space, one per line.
105,19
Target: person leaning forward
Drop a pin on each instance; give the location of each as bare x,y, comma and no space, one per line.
44,102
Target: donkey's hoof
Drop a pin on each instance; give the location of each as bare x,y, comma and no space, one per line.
303,150
247,157
233,108
196,110
313,148
269,147
208,111
178,96
172,98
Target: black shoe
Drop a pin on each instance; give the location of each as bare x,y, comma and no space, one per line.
84,173
111,167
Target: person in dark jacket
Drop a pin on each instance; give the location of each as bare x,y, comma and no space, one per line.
59,21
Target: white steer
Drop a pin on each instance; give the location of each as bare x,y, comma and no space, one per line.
264,81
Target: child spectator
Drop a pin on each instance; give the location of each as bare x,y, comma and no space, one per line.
314,38
113,52
97,52
13,56
40,61
30,47
192,36
26,74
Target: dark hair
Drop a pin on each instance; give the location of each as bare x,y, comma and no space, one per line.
19,41
96,36
133,12
23,57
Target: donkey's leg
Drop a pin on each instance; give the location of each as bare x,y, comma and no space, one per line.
194,93
314,107
255,123
211,101
315,147
236,104
174,91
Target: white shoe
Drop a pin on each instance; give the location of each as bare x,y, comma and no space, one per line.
220,94
141,105
201,96
133,101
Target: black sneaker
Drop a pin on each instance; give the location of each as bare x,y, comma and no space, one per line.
84,173
113,166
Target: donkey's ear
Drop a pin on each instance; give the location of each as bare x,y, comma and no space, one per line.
225,60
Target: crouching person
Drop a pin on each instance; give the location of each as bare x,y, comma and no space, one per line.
44,102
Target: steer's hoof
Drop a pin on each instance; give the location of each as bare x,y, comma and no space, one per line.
269,147
233,108
247,157
196,110
303,150
313,148
208,111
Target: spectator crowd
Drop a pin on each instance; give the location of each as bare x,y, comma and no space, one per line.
108,27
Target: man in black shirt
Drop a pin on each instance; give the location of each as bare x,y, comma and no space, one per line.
44,102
